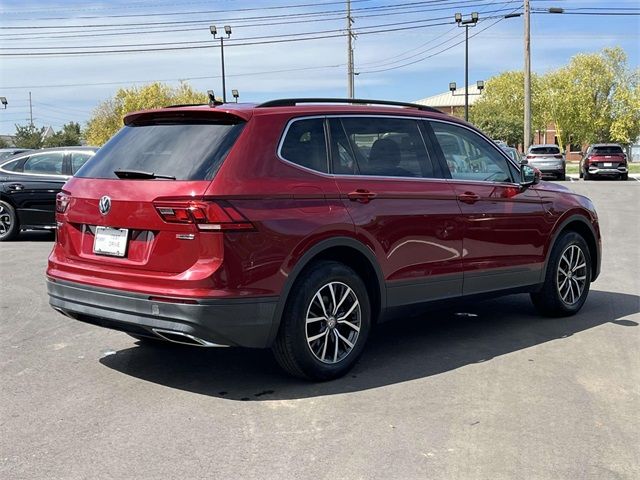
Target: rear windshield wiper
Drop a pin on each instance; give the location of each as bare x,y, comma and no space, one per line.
138,174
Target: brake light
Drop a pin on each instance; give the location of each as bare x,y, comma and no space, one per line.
62,202
213,216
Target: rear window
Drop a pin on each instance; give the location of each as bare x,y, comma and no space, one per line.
185,150
608,150
545,150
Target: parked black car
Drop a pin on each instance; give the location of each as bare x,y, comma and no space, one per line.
29,183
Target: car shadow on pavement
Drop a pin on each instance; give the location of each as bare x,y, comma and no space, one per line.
398,351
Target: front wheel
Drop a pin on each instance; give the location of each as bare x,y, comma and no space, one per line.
9,225
325,324
568,278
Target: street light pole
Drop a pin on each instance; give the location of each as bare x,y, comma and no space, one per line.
466,73
224,85
214,32
466,24
527,75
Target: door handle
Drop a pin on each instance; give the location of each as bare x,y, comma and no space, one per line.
16,187
469,197
361,195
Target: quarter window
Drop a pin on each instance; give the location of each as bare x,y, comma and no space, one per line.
379,146
469,156
304,144
44,164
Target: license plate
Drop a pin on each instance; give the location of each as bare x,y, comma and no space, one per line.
608,164
110,241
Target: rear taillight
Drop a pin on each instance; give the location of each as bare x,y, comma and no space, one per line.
213,215
62,202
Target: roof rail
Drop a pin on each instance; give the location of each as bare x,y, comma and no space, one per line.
290,102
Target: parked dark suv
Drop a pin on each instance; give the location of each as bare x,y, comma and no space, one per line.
604,160
298,224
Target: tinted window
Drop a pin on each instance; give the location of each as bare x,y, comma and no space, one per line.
380,146
78,159
44,163
545,150
186,151
12,166
469,156
305,145
608,150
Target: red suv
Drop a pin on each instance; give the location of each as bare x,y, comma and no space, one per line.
299,224
604,160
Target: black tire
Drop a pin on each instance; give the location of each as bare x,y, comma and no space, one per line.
587,176
580,174
291,348
549,299
9,223
562,177
624,176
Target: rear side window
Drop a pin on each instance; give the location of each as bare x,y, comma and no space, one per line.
608,150
304,144
44,164
78,159
545,150
13,166
185,150
469,156
379,146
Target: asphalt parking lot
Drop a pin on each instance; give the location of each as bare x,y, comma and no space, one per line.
497,393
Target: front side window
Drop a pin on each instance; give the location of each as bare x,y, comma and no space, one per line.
469,156
304,144
44,164
379,146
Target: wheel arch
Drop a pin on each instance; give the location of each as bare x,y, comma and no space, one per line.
581,225
346,250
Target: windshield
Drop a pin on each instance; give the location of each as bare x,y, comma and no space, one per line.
545,150
608,150
186,151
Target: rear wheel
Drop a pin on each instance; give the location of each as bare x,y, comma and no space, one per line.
587,176
9,225
568,278
624,176
325,324
562,176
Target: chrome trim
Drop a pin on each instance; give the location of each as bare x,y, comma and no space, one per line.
64,152
419,118
199,342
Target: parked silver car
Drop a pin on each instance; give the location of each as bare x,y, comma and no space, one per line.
548,159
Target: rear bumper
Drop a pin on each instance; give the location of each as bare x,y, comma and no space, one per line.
607,171
244,322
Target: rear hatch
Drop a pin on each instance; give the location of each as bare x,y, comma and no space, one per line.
609,156
138,209
544,155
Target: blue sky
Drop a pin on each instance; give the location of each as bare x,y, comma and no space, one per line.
405,65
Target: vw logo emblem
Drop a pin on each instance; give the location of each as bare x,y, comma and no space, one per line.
104,205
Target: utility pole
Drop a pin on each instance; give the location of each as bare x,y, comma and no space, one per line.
527,75
349,52
30,111
224,85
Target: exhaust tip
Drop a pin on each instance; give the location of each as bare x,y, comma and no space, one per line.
174,336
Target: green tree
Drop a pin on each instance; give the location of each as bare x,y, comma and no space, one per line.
70,135
500,110
595,98
107,118
3,143
28,136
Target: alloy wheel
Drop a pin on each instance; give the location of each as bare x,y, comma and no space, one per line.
333,322
572,274
5,221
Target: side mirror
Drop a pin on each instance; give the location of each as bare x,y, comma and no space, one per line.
529,175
